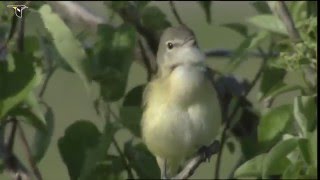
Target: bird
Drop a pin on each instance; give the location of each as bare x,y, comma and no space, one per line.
180,105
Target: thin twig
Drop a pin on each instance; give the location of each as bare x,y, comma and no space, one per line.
114,141
46,81
234,112
194,163
147,61
123,158
280,9
28,152
175,12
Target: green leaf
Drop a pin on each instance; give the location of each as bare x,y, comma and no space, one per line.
270,80
113,60
237,27
130,118
17,82
42,139
292,171
206,6
269,22
274,122
134,96
276,161
251,168
305,113
29,117
110,168
77,140
261,7
304,149
313,147
245,46
65,42
142,161
98,153
153,18
131,111
279,89
231,146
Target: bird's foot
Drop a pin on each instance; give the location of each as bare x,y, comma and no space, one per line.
206,152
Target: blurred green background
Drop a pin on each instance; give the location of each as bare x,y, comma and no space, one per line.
70,101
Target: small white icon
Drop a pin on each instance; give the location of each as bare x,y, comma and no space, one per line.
18,9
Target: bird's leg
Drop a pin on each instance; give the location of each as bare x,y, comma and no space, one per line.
164,172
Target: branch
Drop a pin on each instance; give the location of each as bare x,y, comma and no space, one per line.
280,9
175,12
194,163
229,119
12,165
32,163
229,53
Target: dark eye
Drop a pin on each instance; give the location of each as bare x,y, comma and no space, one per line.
170,45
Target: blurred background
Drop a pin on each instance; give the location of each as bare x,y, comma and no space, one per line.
70,102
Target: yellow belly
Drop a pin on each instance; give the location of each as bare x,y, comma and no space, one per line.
181,116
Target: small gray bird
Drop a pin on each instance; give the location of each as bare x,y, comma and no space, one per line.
181,110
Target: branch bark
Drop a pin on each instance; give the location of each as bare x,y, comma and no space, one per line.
194,163
280,9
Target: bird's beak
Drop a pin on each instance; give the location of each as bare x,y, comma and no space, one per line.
190,42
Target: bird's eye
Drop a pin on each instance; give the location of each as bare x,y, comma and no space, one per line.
170,45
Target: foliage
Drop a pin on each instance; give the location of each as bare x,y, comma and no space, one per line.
275,140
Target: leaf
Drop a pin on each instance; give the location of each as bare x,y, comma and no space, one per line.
305,113
134,96
271,78
113,60
251,168
274,122
17,83
269,22
245,46
42,139
110,168
237,27
261,7
292,171
231,146
206,6
131,111
153,18
98,153
304,149
142,161
279,89
79,137
313,147
65,42
276,161
130,118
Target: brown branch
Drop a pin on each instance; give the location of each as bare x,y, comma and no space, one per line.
32,162
175,12
280,9
194,163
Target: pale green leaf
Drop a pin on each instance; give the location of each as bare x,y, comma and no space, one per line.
269,22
